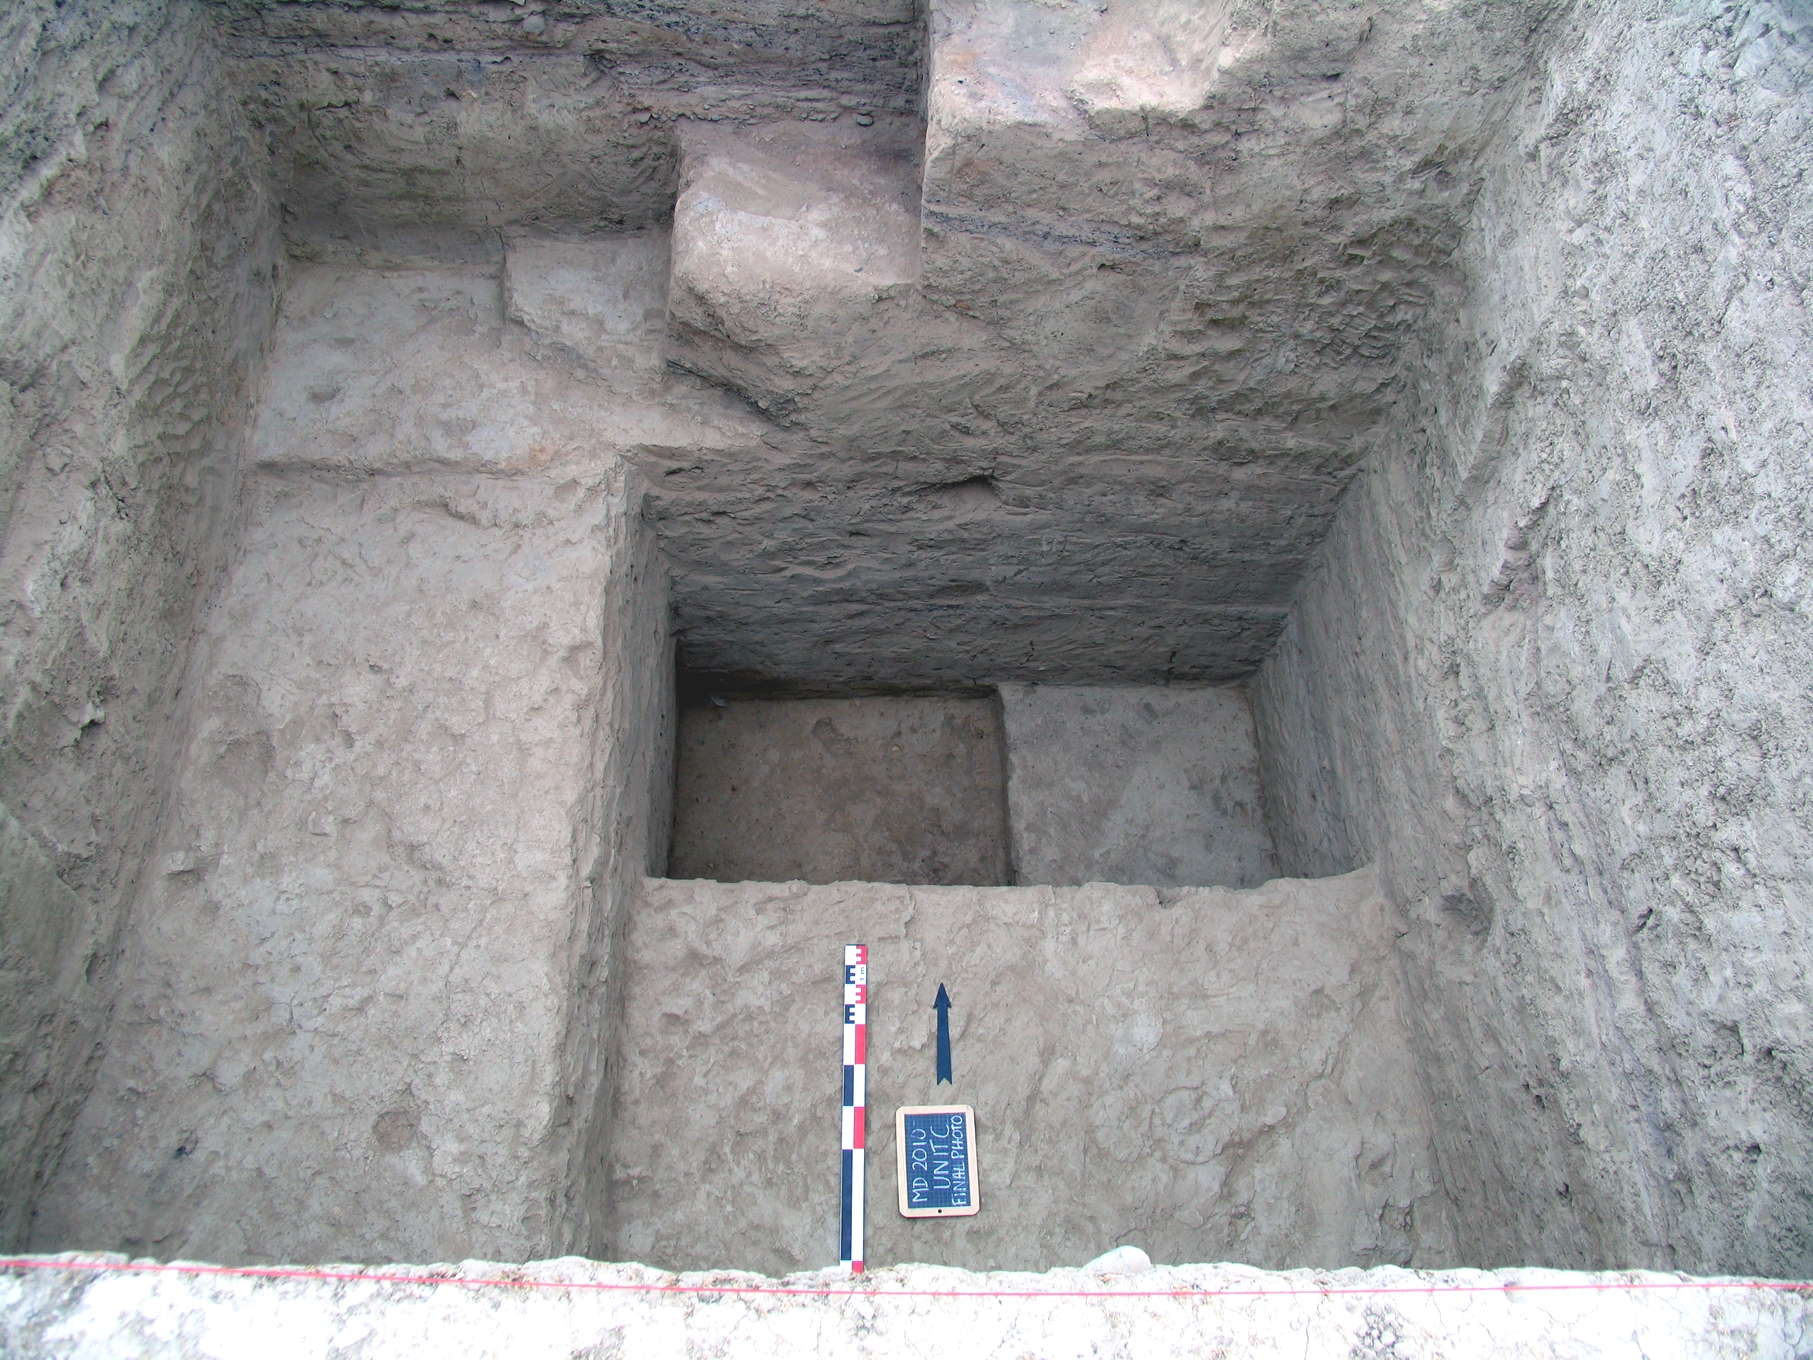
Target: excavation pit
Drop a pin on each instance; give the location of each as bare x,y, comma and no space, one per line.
1315,496
1044,784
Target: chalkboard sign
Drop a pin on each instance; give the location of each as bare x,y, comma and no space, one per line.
935,1146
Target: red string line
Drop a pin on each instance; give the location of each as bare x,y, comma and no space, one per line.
623,1287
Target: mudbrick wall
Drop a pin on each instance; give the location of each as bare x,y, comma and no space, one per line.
138,254
1552,670
430,125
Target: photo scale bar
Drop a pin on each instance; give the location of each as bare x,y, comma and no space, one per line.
856,1066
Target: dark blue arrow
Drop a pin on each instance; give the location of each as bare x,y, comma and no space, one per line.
943,1006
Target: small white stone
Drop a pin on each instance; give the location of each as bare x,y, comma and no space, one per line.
1120,1261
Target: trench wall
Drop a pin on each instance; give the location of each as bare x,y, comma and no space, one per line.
632,780
366,984
1201,1073
1551,668
426,746
138,253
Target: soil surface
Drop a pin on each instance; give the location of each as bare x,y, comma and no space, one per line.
887,789
1209,1075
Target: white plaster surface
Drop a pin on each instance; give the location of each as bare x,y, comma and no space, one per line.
1202,1073
1135,784
1088,1313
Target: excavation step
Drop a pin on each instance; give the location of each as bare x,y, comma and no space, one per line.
354,974
1214,1075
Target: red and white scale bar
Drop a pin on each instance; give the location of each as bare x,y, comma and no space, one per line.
856,1097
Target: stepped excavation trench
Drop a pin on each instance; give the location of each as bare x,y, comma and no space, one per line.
520,548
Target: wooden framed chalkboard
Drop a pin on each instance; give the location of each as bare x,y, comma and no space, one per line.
935,1147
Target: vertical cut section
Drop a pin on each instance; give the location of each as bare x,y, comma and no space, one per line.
1137,784
884,789
1213,1075
380,910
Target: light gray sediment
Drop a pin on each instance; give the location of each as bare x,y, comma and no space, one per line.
891,789
1551,669
394,398
1135,784
1205,1074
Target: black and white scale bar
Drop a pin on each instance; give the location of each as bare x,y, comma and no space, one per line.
856,1066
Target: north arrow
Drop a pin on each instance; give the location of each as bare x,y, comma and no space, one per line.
943,1006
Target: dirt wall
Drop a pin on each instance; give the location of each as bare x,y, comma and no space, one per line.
1552,667
1203,1074
427,737
366,979
137,280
